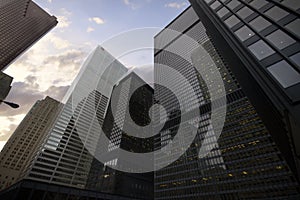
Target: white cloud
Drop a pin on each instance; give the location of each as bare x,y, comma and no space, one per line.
130,4
50,1
63,21
97,20
176,5
90,29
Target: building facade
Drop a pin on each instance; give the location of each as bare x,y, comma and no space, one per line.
245,161
26,140
23,22
63,159
260,40
106,179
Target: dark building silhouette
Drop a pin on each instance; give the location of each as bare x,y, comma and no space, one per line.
245,162
22,23
106,179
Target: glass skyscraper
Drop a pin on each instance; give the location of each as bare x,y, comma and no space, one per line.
63,158
245,162
23,22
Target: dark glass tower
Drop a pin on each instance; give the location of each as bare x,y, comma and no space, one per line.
260,41
102,177
22,23
245,162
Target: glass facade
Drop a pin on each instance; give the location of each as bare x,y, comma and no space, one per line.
63,158
22,23
245,162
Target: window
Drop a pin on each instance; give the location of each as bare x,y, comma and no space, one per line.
261,50
222,12
259,23
244,33
232,21
258,3
294,26
208,1
244,12
284,74
276,13
233,4
296,58
215,5
293,4
280,39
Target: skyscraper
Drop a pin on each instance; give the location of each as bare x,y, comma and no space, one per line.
5,86
21,147
244,162
102,177
260,41
22,23
63,158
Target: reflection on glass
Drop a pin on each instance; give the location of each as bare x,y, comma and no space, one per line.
261,50
276,13
259,23
232,21
294,26
244,33
280,39
244,12
222,12
285,74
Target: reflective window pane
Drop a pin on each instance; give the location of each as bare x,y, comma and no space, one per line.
208,1
258,3
259,23
244,12
296,58
280,39
244,33
231,21
276,13
233,4
222,12
261,50
293,4
285,74
215,5
294,26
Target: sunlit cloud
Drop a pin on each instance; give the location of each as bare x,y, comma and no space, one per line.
176,5
90,29
97,20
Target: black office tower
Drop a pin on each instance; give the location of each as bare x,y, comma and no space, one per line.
103,177
247,161
260,41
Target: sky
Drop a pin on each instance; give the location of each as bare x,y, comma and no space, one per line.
51,64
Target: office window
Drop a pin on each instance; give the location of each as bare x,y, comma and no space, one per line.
259,23
261,50
244,33
294,26
232,21
215,5
285,74
244,12
233,4
296,58
222,12
293,4
280,39
258,3
276,13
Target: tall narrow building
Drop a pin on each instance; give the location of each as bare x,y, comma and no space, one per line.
245,162
103,177
23,22
22,146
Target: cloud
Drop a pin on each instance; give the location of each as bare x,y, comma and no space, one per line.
176,5
63,22
57,92
97,20
89,29
50,1
130,4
